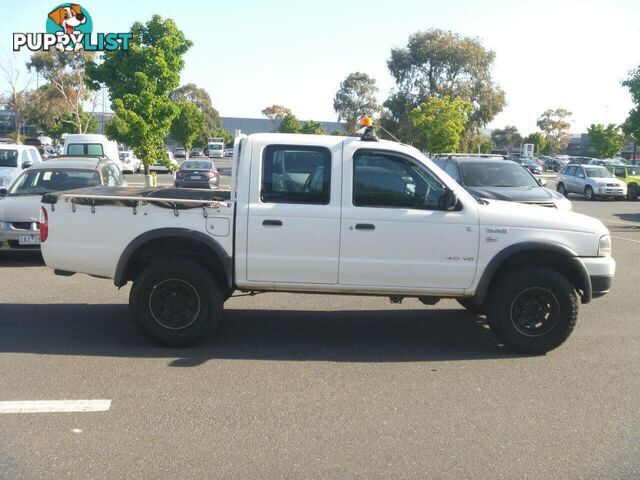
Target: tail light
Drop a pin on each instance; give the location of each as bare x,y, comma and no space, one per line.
44,225
213,174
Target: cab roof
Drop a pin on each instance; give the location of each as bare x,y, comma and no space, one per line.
77,163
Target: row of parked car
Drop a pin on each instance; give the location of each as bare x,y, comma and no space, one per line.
198,152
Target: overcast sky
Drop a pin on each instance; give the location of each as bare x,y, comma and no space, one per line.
250,54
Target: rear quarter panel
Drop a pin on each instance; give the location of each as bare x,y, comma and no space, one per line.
92,243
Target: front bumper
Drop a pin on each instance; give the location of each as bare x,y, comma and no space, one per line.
611,192
601,271
10,237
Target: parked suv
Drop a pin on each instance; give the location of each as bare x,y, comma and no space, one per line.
592,181
631,176
14,159
501,180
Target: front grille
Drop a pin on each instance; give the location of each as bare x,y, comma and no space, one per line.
26,226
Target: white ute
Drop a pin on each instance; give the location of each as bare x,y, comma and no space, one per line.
331,215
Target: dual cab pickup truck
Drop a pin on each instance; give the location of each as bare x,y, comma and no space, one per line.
331,215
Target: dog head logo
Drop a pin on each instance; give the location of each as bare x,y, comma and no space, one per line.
68,18
69,27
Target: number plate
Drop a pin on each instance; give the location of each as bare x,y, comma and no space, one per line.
196,177
29,240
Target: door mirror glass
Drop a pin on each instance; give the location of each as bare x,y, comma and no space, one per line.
542,182
3,192
450,199
27,164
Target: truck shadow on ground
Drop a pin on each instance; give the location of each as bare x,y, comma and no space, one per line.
286,335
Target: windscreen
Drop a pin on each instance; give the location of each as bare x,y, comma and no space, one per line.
8,158
196,165
39,182
505,174
598,172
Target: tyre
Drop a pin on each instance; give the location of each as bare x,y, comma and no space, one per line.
588,193
632,192
562,189
471,307
176,302
533,310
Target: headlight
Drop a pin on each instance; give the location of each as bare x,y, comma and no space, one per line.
4,181
4,226
564,204
604,246
601,184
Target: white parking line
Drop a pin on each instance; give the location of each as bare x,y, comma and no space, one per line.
54,406
627,239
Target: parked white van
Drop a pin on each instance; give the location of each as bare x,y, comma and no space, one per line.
15,158
92,145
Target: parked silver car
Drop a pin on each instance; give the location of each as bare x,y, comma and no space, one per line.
592,181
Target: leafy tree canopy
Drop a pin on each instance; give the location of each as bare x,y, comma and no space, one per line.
438,63
442,120
606,140
355,99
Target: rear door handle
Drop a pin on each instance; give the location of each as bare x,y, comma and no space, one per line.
365,226
272,223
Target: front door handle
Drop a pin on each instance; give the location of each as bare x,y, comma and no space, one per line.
272,223
365,226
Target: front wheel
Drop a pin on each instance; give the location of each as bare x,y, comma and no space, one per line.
175,302
562,190
533,310
588,193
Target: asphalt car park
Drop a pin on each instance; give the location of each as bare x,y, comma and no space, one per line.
297,386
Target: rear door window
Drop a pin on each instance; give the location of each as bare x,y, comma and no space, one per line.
85,149
292,174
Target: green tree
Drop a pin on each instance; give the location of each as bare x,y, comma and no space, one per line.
276,113
606,140
313,128
289,124
139,82
555,126
66,75
539,142
442,120
355,99
198,96
188,125
631,125
439,63
506,137
14,98
475,142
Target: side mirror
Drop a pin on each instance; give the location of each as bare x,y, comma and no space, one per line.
27,164
3,192
450,200
542,182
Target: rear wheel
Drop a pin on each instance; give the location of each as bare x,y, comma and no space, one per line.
533,310
588,193
632,192
562,189
176,302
